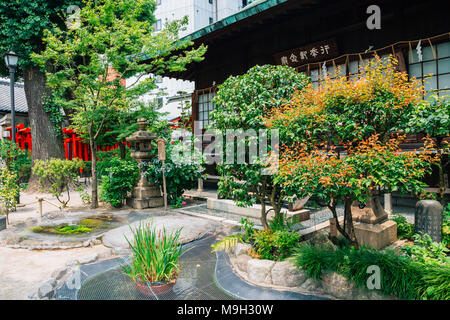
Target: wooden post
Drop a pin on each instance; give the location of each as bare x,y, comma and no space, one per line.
40,206
162,157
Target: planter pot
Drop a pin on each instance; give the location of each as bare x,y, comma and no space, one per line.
157,289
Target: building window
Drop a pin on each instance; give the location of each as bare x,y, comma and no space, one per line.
353,70
158,25
211,1
211,20
160,102
433,71
158,2
158,79
205,106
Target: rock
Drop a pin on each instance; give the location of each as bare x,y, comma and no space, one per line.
241,248
259,271
322,240
88,259
242,262
337,285
97,242
72,262
46,290
286,274
311,285
59,273
87,243
376,295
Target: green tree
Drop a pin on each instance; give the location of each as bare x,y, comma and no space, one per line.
112,40
23,22
243,103
57,176
432,117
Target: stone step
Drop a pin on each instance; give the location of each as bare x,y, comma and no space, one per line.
253,211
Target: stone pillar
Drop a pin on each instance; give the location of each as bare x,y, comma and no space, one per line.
428,219
388,202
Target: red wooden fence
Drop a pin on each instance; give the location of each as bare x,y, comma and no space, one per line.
74,147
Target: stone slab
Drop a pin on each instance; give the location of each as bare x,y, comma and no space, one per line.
378,235
192,229
2,223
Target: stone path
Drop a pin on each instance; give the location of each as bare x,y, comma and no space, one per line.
23,271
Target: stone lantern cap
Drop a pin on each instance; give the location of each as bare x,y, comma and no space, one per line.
142,134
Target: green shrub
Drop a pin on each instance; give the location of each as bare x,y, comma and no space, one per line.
401,276
405,230
179,177
57,176
446,227
119,179
17,160
274,245
9,190
154,255
425,250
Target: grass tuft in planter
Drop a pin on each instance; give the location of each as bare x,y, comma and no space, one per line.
154,256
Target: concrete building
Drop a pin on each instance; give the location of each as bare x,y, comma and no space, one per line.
201,13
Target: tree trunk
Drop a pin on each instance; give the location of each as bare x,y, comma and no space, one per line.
45,143
348,223
441,167
264,215
94,201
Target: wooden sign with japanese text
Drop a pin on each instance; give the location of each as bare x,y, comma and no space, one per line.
161,149
319,51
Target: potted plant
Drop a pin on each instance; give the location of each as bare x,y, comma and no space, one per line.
154,262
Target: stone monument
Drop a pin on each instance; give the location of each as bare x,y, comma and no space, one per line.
372,226
428,219
145,194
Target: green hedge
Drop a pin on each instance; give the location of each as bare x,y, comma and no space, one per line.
400,276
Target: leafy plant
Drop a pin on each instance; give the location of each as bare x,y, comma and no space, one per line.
405,230
446,227
179,176
274,245
154,255
426,250
57,176
8,191
119,179
432,117
227,243
248,228
17,160
401,276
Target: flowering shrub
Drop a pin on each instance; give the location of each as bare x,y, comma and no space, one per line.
367,168
342,110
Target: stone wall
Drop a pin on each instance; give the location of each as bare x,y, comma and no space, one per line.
286,276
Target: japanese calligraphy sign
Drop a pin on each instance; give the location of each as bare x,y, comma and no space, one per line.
428,219
312,53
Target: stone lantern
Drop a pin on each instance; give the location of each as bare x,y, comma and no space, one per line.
145,194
